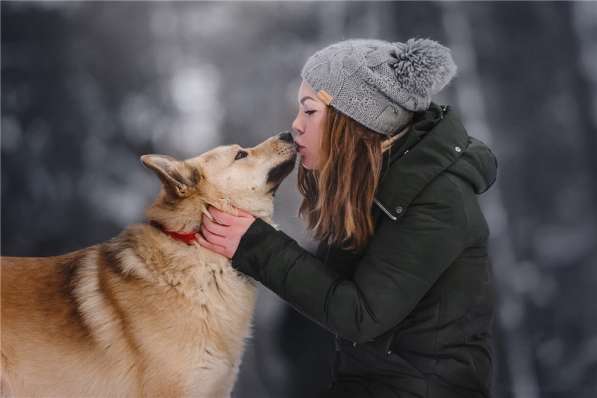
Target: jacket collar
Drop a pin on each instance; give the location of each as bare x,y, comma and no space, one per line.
436,140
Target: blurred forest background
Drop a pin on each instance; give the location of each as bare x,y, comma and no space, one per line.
88,87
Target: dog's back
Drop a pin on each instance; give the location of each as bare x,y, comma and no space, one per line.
44,337
102,322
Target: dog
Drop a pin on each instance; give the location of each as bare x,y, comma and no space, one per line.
149,312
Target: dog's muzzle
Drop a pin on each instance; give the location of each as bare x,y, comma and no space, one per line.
286,136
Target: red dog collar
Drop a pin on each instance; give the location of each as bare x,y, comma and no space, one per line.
187,238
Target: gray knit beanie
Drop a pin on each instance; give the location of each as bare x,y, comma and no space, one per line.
379,83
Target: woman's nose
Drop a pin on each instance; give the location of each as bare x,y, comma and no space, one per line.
296,127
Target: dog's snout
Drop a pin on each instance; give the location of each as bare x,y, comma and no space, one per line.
286,136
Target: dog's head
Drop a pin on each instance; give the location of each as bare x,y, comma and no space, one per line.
225,176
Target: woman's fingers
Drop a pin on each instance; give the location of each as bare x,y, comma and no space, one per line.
223,234
215,248
213,227
213,238
221,217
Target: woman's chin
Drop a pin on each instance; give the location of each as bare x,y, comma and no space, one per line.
306,163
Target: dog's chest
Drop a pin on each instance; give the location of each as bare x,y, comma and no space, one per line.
208,280
214,295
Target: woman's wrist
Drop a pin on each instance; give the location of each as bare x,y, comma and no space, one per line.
251,243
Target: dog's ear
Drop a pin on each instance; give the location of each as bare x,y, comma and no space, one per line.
178,178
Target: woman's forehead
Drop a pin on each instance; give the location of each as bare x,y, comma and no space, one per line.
307,94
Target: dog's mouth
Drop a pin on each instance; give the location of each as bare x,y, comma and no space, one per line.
277,174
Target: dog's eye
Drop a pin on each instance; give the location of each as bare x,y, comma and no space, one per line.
240,155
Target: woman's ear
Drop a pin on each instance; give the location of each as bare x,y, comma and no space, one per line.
178,178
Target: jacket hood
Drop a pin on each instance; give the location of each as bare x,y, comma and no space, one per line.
477,165
437,143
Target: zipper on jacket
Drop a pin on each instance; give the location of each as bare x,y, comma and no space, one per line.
390,343
336,364
384,209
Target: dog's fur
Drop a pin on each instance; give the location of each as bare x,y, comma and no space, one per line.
143,314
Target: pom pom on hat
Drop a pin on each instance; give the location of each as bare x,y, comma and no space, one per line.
422,66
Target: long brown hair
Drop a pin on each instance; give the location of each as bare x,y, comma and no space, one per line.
337,197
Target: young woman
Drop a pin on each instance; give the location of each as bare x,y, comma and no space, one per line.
402,275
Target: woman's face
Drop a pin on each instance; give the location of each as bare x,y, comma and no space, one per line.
308,126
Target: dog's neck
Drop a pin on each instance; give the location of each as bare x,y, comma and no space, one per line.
182,222
167,259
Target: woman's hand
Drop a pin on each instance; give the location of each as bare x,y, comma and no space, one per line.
224,233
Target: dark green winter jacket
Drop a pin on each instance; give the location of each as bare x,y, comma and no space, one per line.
413,312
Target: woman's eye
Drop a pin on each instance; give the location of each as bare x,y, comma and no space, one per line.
309,112
240,155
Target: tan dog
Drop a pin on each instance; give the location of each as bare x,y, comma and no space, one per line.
143,314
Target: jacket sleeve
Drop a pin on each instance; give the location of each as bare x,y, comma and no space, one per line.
401,262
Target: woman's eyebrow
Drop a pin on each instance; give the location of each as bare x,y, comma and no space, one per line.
306,97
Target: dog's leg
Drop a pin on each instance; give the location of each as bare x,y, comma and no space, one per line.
226,387
5,390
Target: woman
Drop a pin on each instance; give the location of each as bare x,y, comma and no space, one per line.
402,275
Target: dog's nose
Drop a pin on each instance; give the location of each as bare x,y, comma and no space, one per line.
286,136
